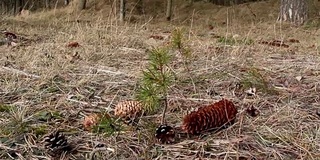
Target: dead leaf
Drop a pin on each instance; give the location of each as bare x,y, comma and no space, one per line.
251,91
13,44
299,78
73,44
294,40
90,121
156,37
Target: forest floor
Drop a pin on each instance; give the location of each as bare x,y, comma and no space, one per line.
46,86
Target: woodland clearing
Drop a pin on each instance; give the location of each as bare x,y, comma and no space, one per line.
46,85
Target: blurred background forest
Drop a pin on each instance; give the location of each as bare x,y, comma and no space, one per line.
257,9
15,6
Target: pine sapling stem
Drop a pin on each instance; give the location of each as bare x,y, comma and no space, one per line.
164,93
164,110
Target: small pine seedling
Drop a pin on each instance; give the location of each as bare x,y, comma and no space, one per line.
178,42
156,80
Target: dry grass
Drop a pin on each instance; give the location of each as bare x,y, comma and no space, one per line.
44,89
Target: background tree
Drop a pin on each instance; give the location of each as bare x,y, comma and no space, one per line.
122,10
169,10
82,4
231,2
139,7
294,11
17,6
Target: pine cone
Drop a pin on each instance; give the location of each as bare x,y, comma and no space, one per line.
92,120
209,117
10,38
57,143
165,134
128,109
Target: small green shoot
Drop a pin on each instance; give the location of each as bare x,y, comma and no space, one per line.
17,123
107,125
40,130
312,23
178,42
47,115
5,108
253,78
233,41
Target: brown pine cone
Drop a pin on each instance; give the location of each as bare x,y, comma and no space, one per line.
128,109
209,117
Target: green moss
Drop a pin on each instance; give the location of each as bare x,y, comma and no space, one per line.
233,41
47,115
107,126
40,130
5,108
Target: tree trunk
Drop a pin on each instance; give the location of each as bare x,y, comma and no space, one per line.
294,11
48,4
169,10
238,1
19,5
230,2
66,2
10,7
122,10
140,8
3,7
219,2
82,4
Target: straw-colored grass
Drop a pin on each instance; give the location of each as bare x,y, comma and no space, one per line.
44,89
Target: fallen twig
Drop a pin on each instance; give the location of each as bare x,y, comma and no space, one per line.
5,147
189,99
20,72
105,70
